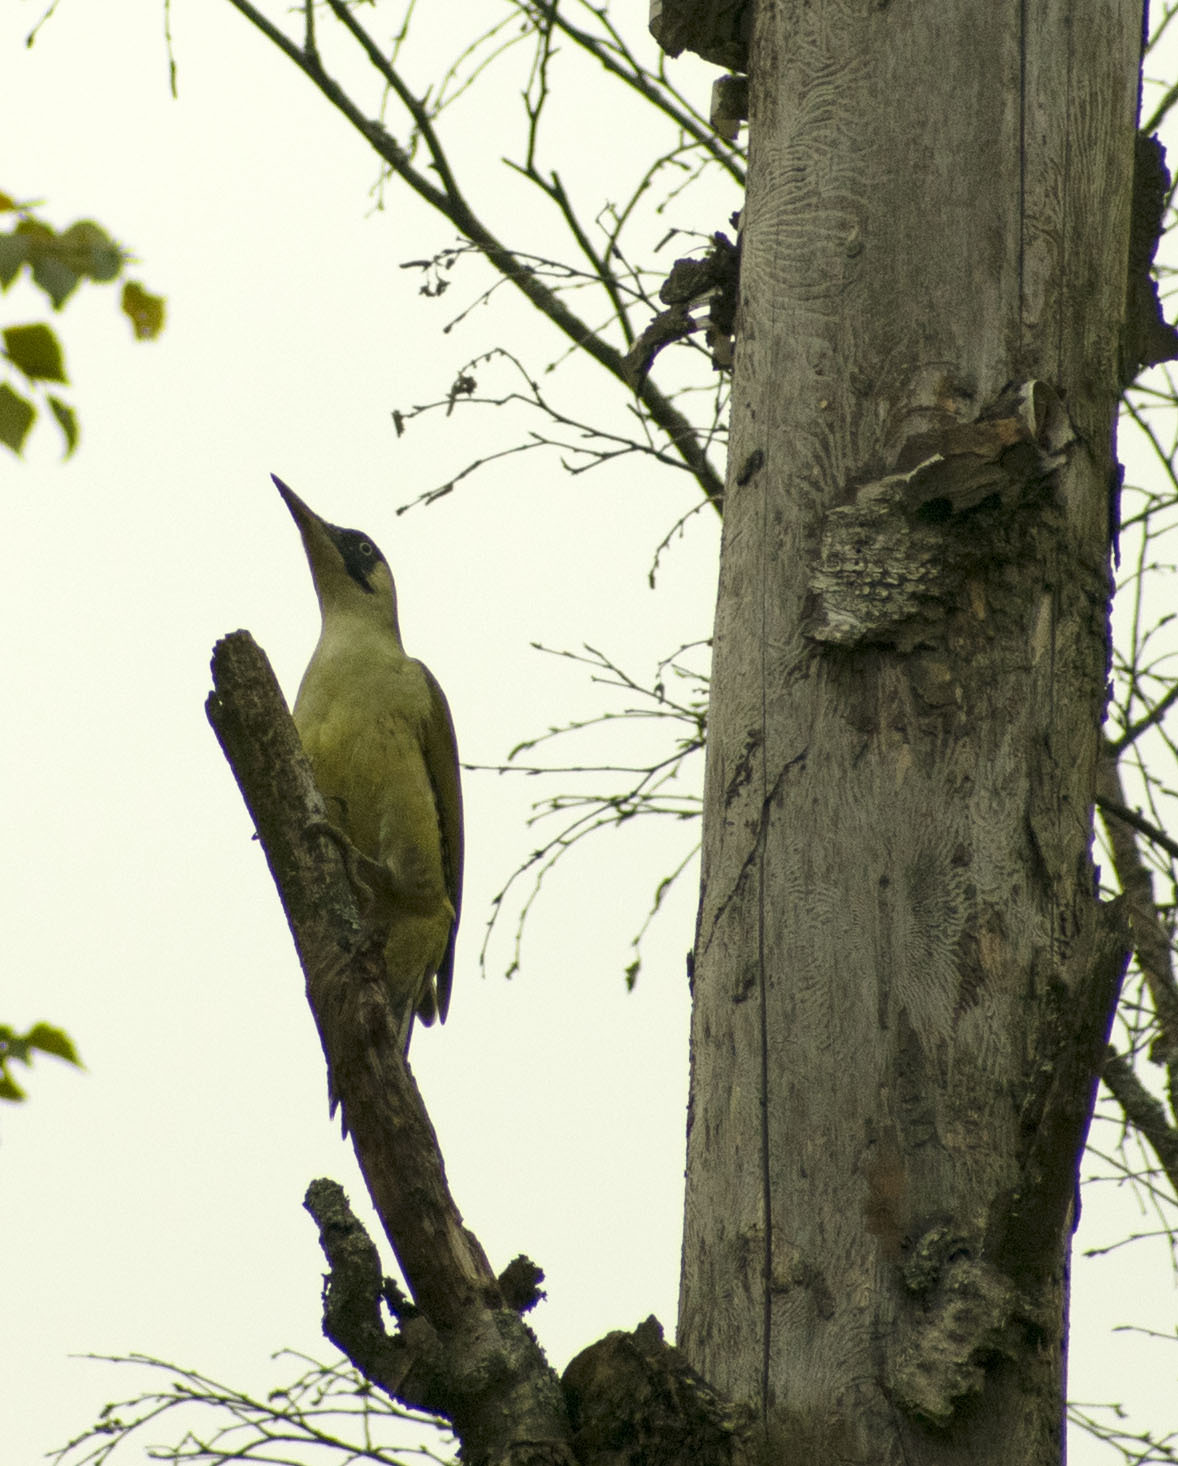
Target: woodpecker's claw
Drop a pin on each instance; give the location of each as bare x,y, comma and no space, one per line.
371,881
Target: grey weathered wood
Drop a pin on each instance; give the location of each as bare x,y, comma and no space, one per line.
899,950
730,105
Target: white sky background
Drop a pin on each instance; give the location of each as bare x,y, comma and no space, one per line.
152,1204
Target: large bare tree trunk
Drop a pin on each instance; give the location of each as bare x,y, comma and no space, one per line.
902,974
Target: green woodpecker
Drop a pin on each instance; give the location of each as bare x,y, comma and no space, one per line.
377,730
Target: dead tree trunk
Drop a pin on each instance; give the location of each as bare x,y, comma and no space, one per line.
903,977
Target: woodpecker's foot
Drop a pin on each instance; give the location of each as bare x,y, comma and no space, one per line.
371,881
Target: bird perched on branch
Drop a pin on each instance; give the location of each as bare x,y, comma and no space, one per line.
378,732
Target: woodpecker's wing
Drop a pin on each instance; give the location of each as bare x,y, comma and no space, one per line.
441,761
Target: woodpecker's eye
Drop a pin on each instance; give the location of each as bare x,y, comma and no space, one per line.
359,554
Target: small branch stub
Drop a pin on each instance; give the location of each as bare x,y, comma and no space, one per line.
730,105
891,560
717,30
968,1322
711,282
635,1401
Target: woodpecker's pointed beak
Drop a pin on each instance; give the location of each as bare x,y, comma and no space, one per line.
322,554
302,513
315,532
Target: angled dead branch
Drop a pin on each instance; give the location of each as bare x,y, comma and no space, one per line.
467,1355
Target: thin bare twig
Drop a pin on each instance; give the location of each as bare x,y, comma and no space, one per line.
449,201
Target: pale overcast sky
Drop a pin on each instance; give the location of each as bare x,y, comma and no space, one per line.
153,1203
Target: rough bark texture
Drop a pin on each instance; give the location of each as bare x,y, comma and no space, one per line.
902,974
635,1401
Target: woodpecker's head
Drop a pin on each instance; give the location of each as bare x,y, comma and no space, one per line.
352,577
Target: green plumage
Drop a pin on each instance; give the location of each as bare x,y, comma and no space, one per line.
377,730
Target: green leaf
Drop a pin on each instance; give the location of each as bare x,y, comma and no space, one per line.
146,312
51,1040
60,261
34,229
16,418
52,270
67,420
46,1037
13,253
55,278
36,351
91,251
9,1089
13,1046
